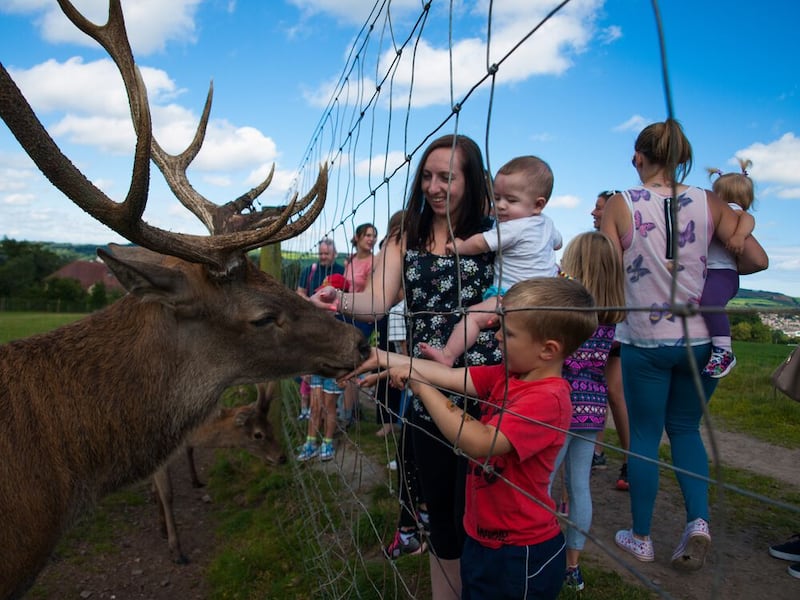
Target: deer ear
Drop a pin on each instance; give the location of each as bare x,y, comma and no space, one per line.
142,273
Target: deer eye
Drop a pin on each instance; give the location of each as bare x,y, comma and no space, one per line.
263,321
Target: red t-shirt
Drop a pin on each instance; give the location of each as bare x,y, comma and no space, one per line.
496,512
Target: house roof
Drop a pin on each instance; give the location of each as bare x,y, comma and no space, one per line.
88,273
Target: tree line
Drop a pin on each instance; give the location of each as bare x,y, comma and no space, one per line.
24,268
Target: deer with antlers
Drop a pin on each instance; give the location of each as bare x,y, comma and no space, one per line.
243,427
105,401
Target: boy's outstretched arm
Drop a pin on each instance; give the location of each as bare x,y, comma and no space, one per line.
456,380
473,437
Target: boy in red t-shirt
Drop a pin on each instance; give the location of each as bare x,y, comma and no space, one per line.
514,546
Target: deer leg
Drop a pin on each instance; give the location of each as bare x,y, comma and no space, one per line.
163,485
196,483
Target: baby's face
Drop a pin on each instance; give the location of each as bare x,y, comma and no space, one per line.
513,198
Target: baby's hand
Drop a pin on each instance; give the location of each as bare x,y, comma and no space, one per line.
453,247
735,245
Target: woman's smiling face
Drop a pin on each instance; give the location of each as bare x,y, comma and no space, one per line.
436,179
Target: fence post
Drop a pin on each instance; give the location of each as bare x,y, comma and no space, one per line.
270,260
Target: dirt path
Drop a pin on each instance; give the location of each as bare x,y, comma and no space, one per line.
740,567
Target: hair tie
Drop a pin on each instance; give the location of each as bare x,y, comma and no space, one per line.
565,275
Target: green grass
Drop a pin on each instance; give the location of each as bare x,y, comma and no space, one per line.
745,400
16,325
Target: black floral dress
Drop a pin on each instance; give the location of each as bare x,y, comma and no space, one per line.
436,287
432,297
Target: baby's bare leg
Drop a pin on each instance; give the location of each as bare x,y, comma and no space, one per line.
464,335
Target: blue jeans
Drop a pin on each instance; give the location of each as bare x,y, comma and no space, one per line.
576,454
513,572
660,395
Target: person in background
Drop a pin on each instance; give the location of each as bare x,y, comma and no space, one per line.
722,279
616,397
514,547
311,277
448,198
357,272
324,395
662,229
592,259
525,242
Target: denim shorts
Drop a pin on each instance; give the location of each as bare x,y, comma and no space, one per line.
327,384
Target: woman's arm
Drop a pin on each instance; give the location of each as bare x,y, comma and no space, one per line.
744,228
475,438
616,220
381,292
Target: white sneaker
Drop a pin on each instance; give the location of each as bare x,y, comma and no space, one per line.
693,547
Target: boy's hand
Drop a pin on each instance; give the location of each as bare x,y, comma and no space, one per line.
403,376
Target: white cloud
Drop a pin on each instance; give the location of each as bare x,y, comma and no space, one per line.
635,123
566,201
777,162
151,24
610,34
19,199
352,11
428,64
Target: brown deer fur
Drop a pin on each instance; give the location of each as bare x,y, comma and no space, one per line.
105,401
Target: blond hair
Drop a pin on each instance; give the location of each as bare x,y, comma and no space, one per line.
592,259
735,188
537,172
570,327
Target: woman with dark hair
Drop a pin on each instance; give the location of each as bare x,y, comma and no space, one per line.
448,198
662,229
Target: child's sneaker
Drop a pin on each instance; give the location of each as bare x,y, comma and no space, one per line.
693,547
794,570
307,451
599,461
622,481
720,363
326,451
424,521
573,579
641,549
405,543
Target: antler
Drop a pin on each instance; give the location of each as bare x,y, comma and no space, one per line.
232,231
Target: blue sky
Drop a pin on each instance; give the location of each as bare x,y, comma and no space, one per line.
576,93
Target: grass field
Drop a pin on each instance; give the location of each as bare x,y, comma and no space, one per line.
15,325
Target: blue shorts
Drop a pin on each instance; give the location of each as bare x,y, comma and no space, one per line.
493,291
327,384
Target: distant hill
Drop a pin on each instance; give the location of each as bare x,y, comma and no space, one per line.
761,299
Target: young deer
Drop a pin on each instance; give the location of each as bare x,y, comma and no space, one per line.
105,401
245,427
